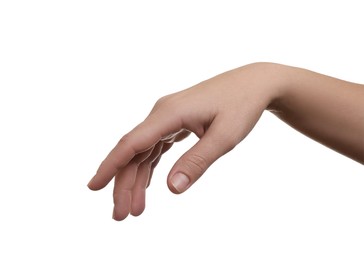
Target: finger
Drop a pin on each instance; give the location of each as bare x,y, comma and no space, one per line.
217,141
171,137
138,192
154,164
181,136
142,179
140,139
124,183
165,148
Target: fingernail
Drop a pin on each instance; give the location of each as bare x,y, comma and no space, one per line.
180,181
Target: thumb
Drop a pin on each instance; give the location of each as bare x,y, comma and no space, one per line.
191,166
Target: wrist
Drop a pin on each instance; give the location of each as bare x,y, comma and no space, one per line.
273,81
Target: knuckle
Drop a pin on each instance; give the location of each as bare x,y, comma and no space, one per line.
162,101
168,102
124,139
196,163
230,145
114,161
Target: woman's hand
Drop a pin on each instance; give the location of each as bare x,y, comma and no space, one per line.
220,111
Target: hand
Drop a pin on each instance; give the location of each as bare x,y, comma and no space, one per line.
220,111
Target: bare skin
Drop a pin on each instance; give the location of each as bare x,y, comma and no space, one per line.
222,111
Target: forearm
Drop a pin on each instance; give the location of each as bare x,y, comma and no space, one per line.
329,110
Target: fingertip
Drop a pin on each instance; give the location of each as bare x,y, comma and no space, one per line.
119,217
119,214
97,183
137,211
92,185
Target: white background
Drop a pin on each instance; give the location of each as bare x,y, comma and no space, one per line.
77,75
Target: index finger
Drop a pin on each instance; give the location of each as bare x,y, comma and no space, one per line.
141,138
